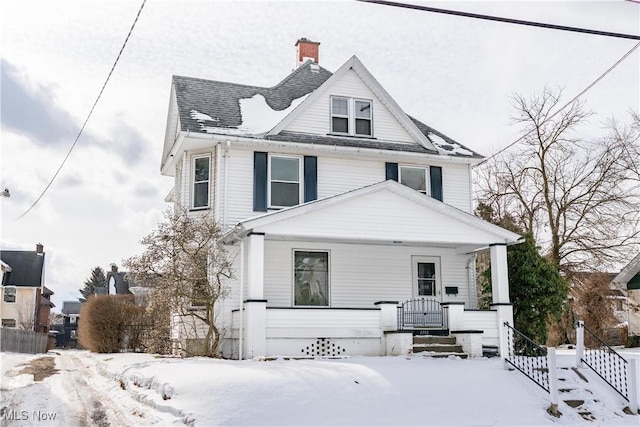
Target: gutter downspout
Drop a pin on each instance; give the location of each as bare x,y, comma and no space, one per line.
224,186
218,177
241,329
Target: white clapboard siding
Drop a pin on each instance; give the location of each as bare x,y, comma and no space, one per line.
338,323
316,117
381,216
360,275
456,186
336,175
483,320
239,187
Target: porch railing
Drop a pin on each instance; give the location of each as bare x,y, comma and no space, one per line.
422,313
527,357
605,362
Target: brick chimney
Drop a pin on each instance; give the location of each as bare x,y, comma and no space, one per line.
306,49
39,248
114,268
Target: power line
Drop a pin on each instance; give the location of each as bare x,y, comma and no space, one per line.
501,19
89,115
618,62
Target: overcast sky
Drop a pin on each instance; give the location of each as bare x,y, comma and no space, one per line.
455,74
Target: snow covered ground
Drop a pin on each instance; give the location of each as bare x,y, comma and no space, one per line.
140,389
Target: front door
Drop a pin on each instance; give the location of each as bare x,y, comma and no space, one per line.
426,277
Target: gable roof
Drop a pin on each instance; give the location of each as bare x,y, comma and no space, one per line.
382,213
628,272
214,107
27,268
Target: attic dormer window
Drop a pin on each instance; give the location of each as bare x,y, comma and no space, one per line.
350,116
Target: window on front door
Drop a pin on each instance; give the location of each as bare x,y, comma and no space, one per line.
311,278
284,181
201,177
426,271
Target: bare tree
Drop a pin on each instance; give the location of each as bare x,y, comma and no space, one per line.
185,264
26,310
579,198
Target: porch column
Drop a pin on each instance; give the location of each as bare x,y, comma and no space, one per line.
500,292
255,259
255,339
255,307
499,273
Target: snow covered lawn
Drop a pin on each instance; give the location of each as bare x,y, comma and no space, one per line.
353,391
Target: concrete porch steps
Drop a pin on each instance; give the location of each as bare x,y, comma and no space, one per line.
437,346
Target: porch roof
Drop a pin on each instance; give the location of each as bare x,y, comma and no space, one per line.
382,213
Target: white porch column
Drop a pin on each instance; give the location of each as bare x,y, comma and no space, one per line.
255,259
500,291
499,273
255,307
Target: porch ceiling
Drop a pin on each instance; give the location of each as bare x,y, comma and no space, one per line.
386,213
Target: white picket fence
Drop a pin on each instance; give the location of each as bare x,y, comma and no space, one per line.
18,341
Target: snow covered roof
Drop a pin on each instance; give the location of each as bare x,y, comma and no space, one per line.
214,107
233,109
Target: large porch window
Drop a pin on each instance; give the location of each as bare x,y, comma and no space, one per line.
311,278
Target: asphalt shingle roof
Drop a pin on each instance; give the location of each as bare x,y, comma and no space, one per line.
26,267
221,102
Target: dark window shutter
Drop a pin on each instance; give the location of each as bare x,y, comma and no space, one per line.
310,178
259,181
391,171
436,182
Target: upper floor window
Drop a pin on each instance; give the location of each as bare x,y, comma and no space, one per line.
201,177
351,116
285,188
413,177
9,294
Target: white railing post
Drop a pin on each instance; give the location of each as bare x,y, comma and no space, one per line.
553,379
579,343
632,381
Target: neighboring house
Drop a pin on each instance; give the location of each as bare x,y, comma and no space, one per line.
349,222
117,283
628,280
71,313
24,300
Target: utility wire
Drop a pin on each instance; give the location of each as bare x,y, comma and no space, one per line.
501,19
618,62
89,115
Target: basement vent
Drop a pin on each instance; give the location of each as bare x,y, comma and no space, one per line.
323,347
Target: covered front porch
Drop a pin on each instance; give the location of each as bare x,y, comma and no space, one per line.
330,277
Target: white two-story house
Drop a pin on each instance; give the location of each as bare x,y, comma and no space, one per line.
350,222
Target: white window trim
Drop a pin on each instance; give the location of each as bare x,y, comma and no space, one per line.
300,179
415,259
427,176
351,116
193,182
15,295
293,277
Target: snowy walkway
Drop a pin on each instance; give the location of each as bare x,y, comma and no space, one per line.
139,389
